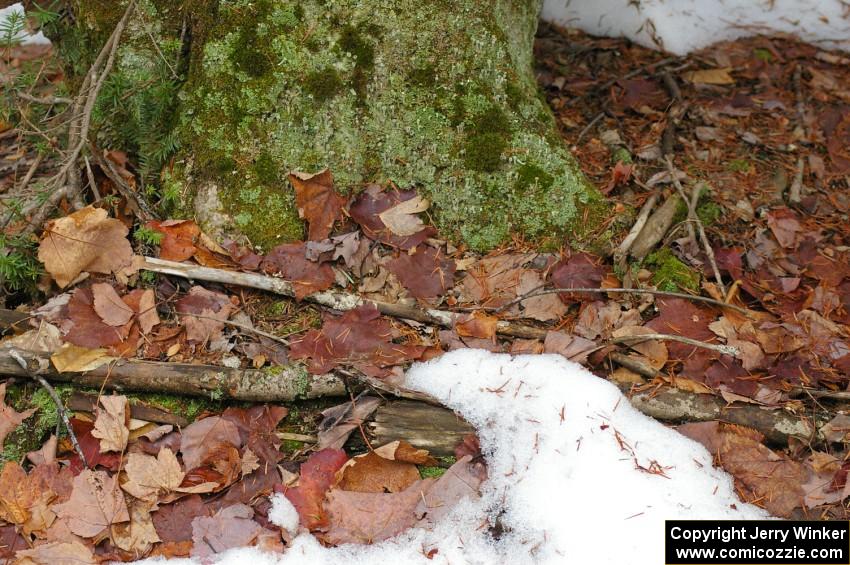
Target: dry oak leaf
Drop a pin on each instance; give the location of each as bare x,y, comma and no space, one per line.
95,504
110,426
202,437
72,358
87,240
9,417
109,306
317,201
57,553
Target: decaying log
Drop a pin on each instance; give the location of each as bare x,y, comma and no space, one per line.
424,426
281,384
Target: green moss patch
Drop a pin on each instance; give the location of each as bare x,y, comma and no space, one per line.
669,273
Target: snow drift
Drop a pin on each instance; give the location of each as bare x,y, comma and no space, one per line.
576,474
681,26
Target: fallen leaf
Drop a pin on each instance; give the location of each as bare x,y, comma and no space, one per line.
317,475
230,527
109,306
149,477
544,308
369,517
204,314
317,201
178,240
709,76
339,421
9,417
47,453
143,303
401,219
494,280
88,329
572,347
74,359
250,463
785,226
289,261
87,240
173,522
57,553
476,324
202,437
367,208
460,481
110,427
45,339
360,337
15,495
580,270
138,535
427,273
372,473
95,504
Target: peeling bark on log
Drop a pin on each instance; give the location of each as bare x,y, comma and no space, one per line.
287,384
424,426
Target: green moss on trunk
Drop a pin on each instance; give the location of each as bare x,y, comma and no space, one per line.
437,95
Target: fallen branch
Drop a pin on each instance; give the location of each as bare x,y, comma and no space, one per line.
656,226
274,385
696,298
625,246
60,408
335,300
720,348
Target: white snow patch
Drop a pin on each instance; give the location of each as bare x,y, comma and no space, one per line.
283,513
565,452
681,26
37,38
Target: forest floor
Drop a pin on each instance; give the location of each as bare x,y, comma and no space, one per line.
740,149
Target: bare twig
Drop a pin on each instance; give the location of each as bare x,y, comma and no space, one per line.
622,250
46,100
539,291
66,183
692,216
31,172
724,349
60,408
588,127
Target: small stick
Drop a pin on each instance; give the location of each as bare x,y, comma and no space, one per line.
31,172
626,245
60,408
692,215
541,291
587,128
724,349
241,327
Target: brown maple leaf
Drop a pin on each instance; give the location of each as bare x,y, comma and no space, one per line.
202,437
318,203
230,527
427,273
205,312
318,473
289,261
360,337
96,503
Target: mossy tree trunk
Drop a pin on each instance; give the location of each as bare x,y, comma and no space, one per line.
435,94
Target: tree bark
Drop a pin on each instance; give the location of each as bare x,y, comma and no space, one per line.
433,95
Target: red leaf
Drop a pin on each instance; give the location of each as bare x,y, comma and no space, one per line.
580,270
681,317
317,201
426,274
178,241
289,261
360,337
619,175
88,328
317,475
370,203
